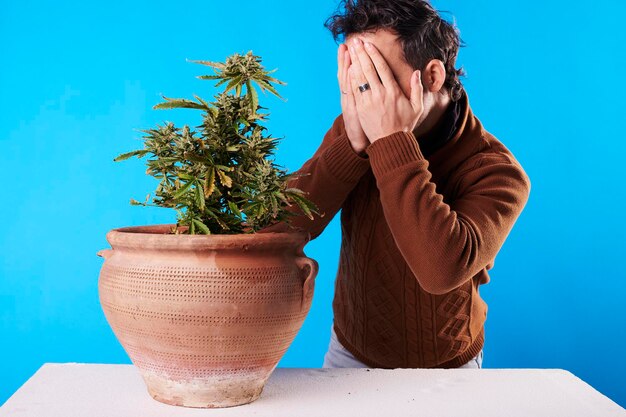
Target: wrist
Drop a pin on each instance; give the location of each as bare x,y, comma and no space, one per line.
359,150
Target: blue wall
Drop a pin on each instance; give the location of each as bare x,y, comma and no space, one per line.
76,79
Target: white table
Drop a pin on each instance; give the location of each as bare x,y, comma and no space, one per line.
94,390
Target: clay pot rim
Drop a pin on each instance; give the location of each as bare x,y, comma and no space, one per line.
157,237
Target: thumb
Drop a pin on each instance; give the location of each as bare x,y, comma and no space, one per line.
416,90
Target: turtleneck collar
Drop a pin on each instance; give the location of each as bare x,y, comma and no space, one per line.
444,130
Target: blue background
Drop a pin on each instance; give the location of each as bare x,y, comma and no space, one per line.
78,77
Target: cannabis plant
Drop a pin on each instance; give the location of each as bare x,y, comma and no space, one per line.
219,178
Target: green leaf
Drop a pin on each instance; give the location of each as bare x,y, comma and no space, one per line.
233,83
224,167
199,195
303,204
209,77
254,98
294,191
274,205
274,80
209,182
127,155
175,103
196,158
209,63
252,209
217,219
202,101
136,203
201,226
183,190
221,82
265,84
184,176
234,209
282,197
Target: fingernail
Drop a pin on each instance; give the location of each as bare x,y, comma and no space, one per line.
351,48
368,45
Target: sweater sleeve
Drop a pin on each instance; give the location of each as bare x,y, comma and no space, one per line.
331,173
446,244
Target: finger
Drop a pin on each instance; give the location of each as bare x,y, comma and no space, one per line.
352,95
341,64
381,66
417,90
346,65
356,73
367,66
340,58
347,81
347,61
342,50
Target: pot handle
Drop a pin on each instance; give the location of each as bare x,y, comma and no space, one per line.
308,286
104,253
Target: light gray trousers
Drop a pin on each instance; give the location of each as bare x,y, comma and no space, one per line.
338,356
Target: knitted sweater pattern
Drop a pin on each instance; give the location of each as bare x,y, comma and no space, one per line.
420,230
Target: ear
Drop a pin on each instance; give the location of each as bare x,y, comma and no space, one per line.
434,76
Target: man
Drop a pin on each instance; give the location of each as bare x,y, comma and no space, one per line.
427,195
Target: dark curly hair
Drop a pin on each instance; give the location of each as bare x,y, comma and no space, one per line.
423,34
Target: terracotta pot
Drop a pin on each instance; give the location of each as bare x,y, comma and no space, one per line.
205,318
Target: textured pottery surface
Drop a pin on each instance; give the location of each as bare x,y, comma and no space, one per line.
205,318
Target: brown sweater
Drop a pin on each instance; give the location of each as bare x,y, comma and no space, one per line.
418,236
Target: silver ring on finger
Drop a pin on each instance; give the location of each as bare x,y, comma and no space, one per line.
364,87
